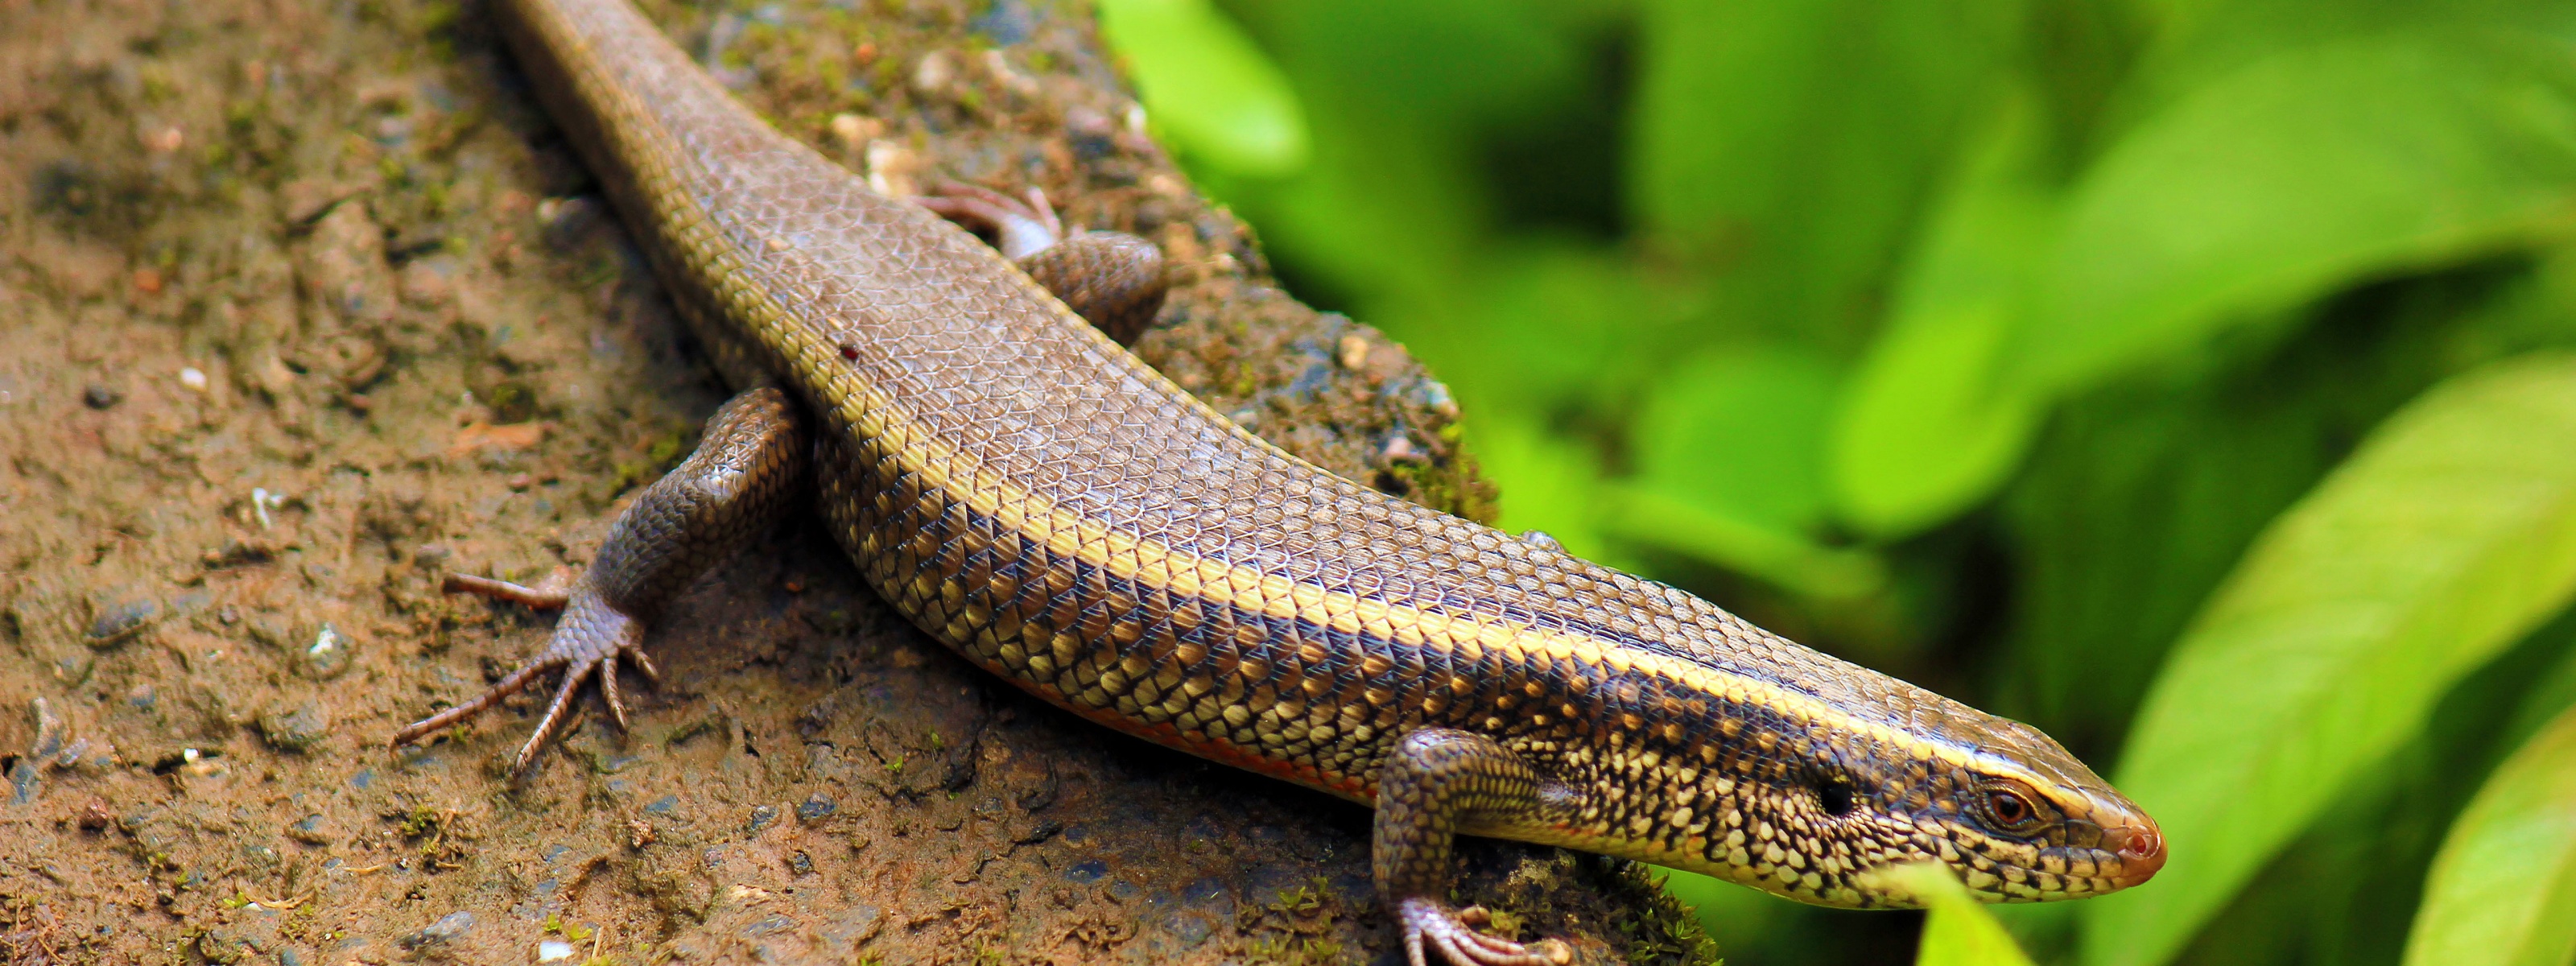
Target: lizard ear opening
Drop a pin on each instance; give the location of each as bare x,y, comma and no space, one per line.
1835,795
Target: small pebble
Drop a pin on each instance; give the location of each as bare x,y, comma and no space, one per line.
1355,352
854,131
193,378
1045,830
328,656
1436,395
762,817
553,949
816,809
49,730
447,929
934,72
101,397
1191,929
119,622
262,501
617,763
226,945
296,730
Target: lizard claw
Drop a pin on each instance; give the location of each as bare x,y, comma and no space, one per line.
608,690
643,665
1429,924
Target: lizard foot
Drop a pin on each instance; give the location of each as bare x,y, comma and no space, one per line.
1453,935
591,639
1112,279
1022,227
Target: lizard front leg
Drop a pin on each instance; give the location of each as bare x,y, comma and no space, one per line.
1438,781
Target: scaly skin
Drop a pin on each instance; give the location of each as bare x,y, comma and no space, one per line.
1042,502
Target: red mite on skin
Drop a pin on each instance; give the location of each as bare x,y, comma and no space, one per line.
849,352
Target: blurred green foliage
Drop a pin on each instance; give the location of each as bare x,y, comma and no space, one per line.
2192,380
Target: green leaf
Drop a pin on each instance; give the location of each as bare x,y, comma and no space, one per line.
1556,326
1957,930
1741,429
1787,144
2141,497
1215,93
2503,890
1709,533
1739,918
1928,426
2299,174
2447,536
1730,454
2552,692
1548,483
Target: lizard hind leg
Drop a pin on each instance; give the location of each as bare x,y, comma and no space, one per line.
1112,279
744,473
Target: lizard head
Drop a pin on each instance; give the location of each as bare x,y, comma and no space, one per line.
2014,816
1810,803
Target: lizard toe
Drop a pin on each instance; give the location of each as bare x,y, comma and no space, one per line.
1428,924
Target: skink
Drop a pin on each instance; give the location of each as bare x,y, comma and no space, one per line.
1029,493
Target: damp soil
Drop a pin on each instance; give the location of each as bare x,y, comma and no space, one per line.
304,305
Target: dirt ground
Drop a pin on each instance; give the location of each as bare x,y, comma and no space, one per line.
303,305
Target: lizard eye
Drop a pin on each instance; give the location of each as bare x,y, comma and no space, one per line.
2011,808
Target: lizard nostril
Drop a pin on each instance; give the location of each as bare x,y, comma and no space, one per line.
2141,848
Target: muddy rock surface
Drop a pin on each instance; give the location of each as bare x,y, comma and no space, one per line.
306,305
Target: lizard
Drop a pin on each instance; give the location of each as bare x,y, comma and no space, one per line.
1025,490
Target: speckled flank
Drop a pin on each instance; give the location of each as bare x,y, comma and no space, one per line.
1035,497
